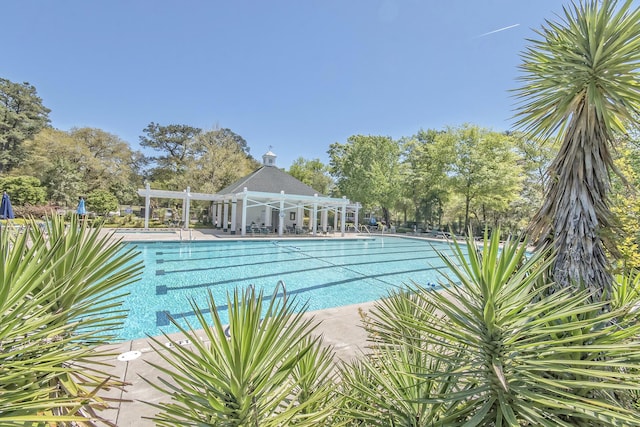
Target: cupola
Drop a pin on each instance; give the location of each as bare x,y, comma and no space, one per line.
268,158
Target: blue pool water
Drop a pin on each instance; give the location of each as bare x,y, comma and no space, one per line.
323,273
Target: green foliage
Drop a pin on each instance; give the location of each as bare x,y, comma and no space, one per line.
22,115
58,161
73,163
464,172
175,146
625,207
426,183
223,159
269,372
483,170
111,164
492,348
64,181
59,303
313,173
102,202
391,384
368,169
535,157
23,190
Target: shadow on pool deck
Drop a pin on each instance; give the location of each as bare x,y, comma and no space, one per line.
339,327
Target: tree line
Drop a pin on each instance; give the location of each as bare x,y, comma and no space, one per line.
446,179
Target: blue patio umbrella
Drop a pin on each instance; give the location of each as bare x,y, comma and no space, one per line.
6,211
81,209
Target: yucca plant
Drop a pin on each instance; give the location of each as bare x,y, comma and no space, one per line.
580,85
57,304
496,349
269,371
388,385
626,299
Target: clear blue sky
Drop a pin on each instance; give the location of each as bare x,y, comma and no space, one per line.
296,75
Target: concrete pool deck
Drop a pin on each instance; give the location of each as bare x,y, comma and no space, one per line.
339,327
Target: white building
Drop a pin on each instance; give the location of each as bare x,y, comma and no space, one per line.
268,200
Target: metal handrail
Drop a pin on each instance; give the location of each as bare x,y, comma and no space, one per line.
284,289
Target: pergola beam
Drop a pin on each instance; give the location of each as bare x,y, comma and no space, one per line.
279,201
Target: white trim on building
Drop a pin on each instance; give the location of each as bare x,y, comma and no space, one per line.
260,208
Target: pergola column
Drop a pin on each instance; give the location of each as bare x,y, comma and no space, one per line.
314,227
218,215
147,205
234,201
343,217
243,231
225,216
186,205
324,219
214,214
267,215
281,215
357,219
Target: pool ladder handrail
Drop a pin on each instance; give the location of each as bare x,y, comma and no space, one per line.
365,228
284,289
275,291
190,234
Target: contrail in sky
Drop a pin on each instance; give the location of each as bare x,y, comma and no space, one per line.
497,31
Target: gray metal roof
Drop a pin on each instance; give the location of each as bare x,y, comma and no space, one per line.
269,179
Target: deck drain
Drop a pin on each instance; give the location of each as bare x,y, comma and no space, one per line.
129,355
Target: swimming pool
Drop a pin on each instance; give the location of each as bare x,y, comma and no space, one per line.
325,273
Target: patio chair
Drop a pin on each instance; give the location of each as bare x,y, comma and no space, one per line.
265,230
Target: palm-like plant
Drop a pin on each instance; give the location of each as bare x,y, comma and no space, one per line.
493,348
58,302
268,372
580,84
392,384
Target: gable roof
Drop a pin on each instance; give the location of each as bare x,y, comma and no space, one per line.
269,179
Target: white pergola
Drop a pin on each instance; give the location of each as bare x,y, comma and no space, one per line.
227,215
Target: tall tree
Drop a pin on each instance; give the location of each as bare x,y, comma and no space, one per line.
535,159
73,163
484,170
225,134
113,165
625,205
580,85
223,158
176,147
64,182
314,173
368,170
427,181
60,163
22,115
